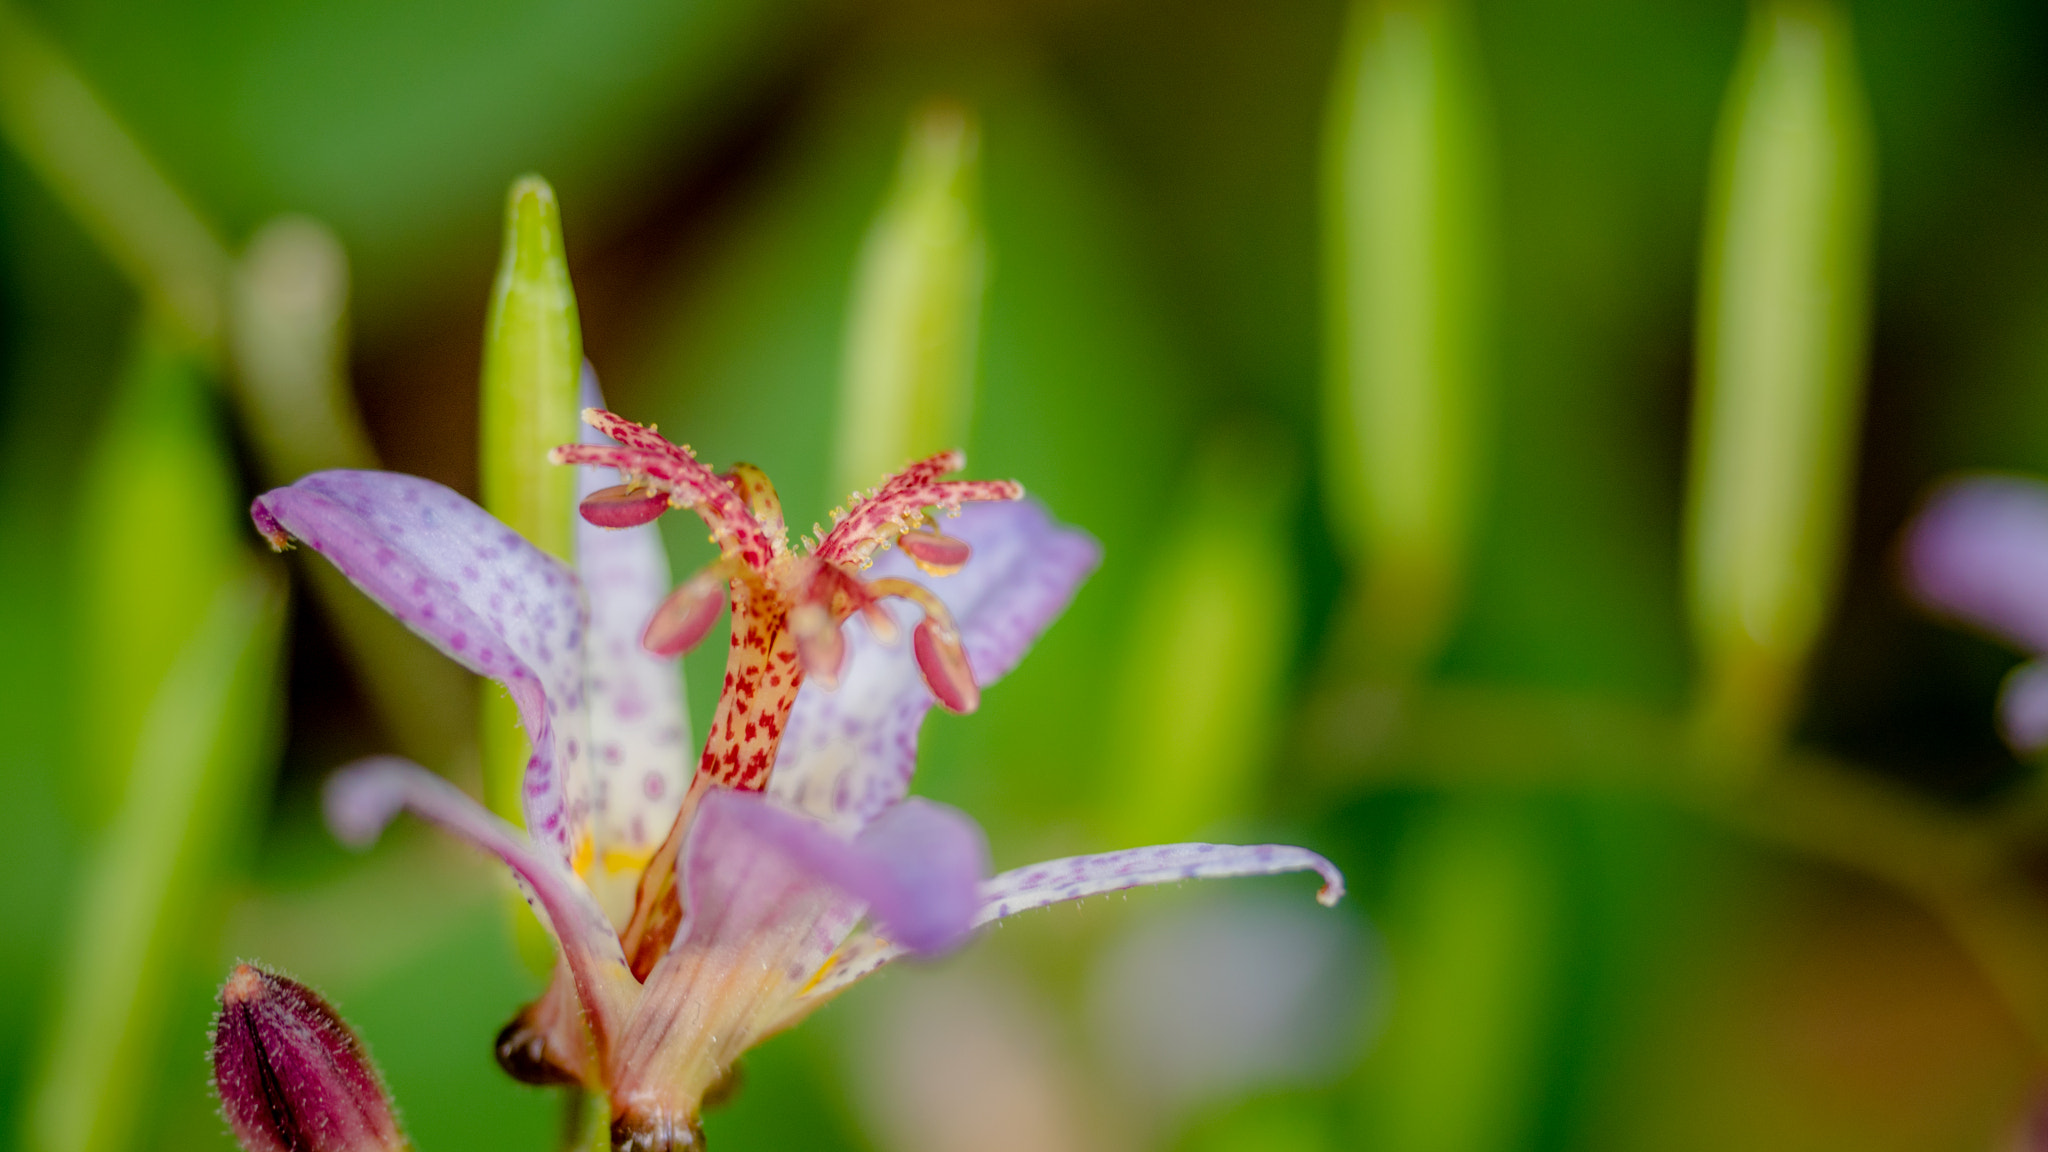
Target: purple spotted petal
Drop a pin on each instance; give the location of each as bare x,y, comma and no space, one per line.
848,754
1074,877
1979,552
2023,707
474,589
364,797
639,728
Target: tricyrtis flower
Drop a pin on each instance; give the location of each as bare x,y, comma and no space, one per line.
795,863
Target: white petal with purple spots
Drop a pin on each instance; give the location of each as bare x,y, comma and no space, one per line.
639,725
1075,877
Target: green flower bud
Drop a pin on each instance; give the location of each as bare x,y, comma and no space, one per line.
1784,306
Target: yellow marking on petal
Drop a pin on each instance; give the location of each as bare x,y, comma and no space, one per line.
830,963
617,860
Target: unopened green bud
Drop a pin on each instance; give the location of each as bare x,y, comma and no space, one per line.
1406,247
907,385
1207,657
533,365
1784,306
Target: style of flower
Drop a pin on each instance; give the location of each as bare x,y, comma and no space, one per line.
1978,552
795,863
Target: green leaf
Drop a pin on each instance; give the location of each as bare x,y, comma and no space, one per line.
149,896
158,533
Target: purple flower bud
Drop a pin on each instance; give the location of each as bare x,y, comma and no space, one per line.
291,1075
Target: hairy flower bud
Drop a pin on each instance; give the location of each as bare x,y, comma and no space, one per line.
291,1075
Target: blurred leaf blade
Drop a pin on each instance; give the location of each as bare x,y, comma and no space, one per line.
157,537
110,184
208,741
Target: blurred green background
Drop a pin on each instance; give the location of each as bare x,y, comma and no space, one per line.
1618,881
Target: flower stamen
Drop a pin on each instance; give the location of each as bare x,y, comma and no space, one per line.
787,610
622,506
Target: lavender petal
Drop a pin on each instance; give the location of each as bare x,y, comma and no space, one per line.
475,590
1076,877
865,952
848,754
639,726
917,869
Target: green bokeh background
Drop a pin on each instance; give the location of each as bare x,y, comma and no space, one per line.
1568,966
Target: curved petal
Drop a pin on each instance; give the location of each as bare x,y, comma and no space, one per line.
364,797
639,726
1979,552
477,591
1022,889
1075,877
848,754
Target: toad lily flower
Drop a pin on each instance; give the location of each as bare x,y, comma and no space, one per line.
795,863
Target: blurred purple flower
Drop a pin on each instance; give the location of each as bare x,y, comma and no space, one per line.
1978,553
1212,1001
788,885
